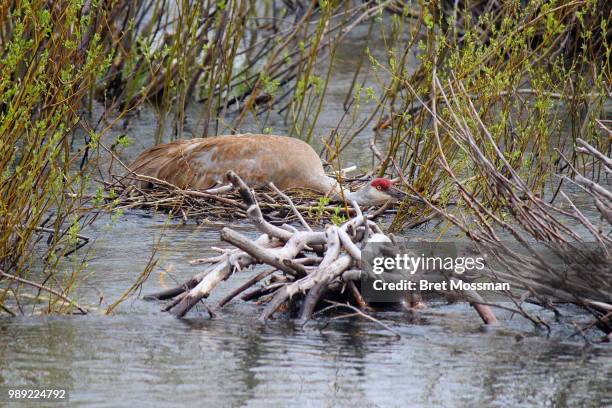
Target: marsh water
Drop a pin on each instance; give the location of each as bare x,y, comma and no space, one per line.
139,356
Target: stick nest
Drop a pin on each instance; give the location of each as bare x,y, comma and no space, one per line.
201,205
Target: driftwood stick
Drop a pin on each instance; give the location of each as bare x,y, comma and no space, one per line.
177,290
359,300
375,227
360,313
358,220
372,215
351,275
483,310
221,189
257,252
174,302
254,212
295,210
244,286
349,245
300,270
312,298
209,260
214,276
333,247
317,291
322,275
44,288
219,272
260,291
274,257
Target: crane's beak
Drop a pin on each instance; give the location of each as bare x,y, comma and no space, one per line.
397,194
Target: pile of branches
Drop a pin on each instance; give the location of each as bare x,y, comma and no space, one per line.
306,266
223,203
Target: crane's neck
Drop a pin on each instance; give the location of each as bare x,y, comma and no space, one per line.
348,195
337,193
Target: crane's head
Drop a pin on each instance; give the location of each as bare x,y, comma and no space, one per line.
377,192
384,189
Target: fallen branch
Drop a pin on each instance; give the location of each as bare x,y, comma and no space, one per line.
46,289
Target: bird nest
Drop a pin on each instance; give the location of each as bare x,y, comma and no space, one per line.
224,203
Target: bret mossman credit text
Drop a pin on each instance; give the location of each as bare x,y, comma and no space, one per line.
426,285
422,264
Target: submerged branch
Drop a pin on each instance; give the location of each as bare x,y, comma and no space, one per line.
46,289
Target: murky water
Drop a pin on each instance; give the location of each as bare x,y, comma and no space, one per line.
140,356
145,357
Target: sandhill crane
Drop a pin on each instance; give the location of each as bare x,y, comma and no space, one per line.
258,160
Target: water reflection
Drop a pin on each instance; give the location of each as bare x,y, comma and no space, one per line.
150,358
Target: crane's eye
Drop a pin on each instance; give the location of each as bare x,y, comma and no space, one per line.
379,187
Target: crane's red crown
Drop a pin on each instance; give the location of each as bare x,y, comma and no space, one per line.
383,183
